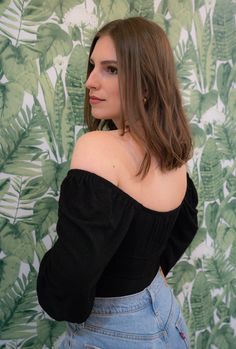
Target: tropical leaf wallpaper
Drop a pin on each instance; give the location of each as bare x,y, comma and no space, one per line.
43,54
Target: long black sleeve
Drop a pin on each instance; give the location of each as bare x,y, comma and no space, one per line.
89,233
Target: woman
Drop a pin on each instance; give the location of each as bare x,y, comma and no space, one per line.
127,209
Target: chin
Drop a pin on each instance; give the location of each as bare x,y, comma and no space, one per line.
97,116
101,117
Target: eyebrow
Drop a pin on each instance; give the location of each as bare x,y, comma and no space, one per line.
108,61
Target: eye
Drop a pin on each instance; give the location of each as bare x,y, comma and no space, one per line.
112,70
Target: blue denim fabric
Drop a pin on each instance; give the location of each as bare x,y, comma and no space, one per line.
150,319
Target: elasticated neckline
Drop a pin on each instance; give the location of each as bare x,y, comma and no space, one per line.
123,193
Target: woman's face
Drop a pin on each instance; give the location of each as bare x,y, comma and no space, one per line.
103,82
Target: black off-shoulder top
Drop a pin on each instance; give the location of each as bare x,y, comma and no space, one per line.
108,245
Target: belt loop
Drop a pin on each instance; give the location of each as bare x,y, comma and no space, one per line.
155,306
81,325
152,296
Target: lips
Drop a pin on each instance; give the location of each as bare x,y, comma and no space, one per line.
94,97
95,100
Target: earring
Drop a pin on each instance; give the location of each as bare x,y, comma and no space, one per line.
144,99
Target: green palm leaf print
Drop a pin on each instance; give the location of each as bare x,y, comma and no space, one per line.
44,48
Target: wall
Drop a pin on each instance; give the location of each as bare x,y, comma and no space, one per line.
44,47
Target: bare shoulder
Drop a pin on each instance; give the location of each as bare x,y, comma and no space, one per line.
95,152
178,176
181,179
171,188
176,180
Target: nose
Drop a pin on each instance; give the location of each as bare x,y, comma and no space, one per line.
93,80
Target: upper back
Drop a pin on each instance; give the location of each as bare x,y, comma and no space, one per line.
118,158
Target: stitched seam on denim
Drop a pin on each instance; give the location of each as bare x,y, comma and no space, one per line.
165,338
156,312
125,335
131,309
171,313
180,328
75,329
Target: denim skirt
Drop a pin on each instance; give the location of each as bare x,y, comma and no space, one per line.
150,319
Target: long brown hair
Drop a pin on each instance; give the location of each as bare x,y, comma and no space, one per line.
149,93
